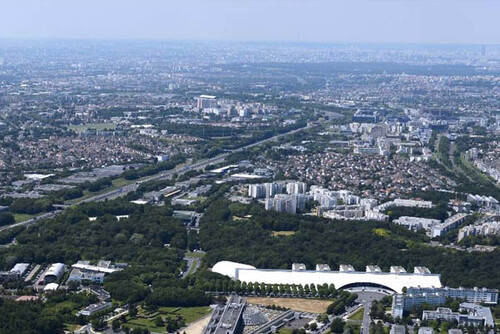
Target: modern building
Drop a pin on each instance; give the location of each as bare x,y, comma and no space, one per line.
227,320
417,296
341,279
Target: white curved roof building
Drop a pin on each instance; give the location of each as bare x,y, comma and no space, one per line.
55,271
228,268
341,279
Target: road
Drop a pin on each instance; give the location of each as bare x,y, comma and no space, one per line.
201,164
31,221
366,296
191,261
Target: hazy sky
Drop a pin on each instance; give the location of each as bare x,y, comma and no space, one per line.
412,21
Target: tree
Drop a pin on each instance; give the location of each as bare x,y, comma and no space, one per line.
98,324
132,311
6,218
115,325
159,322
337,325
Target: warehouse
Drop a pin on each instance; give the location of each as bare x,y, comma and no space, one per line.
54,273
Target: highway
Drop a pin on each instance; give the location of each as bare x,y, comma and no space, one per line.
31,221
201,164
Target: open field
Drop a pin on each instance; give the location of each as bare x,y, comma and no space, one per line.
282,233
20,217
298,304
190,315
145,323
92,126
358,315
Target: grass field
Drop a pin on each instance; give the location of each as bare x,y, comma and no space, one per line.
298,304
120,182
358,315
92,126
20,217
145,323
282,233
190,314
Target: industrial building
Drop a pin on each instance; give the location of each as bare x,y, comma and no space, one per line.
341,279
15,274
54,273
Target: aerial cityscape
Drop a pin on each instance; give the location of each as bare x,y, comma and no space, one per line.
244,182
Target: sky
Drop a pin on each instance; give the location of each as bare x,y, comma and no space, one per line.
344,21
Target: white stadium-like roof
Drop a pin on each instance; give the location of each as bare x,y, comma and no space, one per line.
393,281
228,268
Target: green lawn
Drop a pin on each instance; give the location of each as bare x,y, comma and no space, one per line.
20,217
145,323
358,315
95,126
189,314
120,182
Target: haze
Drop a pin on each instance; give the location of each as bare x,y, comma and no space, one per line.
409,21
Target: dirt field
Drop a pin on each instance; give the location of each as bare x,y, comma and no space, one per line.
197,326
298,304
282,233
